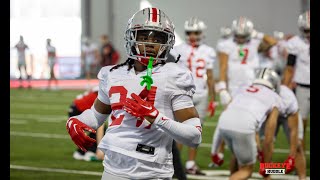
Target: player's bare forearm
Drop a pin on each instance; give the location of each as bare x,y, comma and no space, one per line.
266,43
269,134
293,126
101,107
210,82
185,114
288,75
258,141
100,133
223,64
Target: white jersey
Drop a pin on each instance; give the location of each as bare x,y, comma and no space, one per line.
125,132
222,40
21,49
301,48
290,102
198,61
249,108
89,53
241,69
51,52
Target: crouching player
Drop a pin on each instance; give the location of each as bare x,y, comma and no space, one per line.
292,124
237,125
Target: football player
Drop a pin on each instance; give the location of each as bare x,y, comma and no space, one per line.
51,62
90,58
292,124
21,49
225,34
81,103
197,57
244,115
238,58
138,141
297,71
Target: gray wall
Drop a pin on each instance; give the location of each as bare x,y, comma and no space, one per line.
267,15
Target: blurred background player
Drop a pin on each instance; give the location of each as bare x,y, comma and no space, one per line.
238,58
52,58
225,34
297,71
22,65
90,58
109,55
292,125
237,125
198,58
83,102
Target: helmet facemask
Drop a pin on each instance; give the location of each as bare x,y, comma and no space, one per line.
195,38
194,29
144,43
149,33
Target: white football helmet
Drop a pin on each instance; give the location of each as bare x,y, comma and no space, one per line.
225,32
242,27
194,24
278,35
304,22
268,77
156,23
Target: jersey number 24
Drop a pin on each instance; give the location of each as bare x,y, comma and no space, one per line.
144,94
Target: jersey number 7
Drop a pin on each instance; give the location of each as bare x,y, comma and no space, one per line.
144,94
245,55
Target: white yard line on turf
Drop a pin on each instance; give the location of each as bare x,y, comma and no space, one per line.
61,136
217,174
69,171
39,135
39,117
17,121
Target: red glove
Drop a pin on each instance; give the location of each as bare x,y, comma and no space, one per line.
211,108
217,159
260,156
290,167
139,107
76,130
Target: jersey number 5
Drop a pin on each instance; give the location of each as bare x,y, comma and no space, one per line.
253,89
144,94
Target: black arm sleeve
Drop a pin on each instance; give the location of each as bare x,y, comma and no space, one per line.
291,60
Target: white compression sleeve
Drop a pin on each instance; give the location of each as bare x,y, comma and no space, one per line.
92,117
187,132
